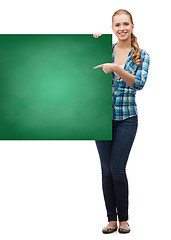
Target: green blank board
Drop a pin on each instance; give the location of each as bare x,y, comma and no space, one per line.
49,89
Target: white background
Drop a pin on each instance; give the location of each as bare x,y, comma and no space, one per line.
52,189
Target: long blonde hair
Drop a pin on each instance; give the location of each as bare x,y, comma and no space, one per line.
136,54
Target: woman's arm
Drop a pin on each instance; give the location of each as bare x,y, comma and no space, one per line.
113,67
136,81
142,72
126,76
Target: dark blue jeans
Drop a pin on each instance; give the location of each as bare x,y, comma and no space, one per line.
113,158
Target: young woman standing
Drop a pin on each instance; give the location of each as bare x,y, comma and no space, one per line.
129,69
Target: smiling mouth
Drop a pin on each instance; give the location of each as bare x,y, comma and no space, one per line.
123,33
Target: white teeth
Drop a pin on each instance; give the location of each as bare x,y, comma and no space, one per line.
122,34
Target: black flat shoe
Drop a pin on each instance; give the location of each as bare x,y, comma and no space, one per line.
124,230
109,229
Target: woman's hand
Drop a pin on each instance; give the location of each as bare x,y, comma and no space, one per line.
107,67
96,35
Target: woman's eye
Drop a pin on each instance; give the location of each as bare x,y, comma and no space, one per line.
117,25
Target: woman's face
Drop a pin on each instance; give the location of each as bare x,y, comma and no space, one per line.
122,26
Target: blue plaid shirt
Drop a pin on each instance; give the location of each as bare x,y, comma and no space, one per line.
123,95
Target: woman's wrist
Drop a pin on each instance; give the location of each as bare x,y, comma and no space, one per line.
115,67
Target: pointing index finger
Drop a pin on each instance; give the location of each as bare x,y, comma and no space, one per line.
99,66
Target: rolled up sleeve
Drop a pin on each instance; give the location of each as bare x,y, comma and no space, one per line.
142,72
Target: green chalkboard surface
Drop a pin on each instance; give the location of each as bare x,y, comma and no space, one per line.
49,89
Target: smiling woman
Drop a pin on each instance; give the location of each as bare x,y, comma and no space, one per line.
123,26
129,68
